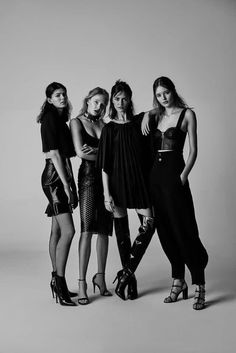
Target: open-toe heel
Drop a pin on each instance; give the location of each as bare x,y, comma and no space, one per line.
83,300
199,298
101,285
176,289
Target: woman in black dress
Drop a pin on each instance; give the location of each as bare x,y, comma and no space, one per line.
95,219
171,195
124,162
58,184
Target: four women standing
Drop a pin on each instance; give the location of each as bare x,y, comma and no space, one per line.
129,178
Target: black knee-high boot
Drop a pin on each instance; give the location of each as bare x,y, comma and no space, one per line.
146,231
121,226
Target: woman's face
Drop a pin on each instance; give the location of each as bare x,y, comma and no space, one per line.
121,102
59,98
164,96
96,105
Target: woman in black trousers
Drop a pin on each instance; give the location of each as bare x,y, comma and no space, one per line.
171,195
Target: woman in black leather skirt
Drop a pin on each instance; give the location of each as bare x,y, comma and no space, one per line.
95,219
58,184
171,195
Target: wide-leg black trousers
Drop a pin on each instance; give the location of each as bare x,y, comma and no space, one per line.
175,217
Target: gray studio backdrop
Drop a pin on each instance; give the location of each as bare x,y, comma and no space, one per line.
84,44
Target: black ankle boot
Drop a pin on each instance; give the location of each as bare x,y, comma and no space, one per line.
123,277
62,292
132,288
53,286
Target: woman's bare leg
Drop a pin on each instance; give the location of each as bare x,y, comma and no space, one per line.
53,241
67,231
84,256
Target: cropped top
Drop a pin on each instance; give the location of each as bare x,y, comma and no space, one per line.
56,135
87,138
171,139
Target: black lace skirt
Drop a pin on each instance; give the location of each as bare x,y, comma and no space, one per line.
54,190
93,214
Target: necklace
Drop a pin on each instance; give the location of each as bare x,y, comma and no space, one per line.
92,119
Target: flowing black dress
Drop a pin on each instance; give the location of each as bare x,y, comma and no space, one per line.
94,217
123,155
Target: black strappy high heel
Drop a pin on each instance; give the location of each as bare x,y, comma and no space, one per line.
175,292
103,292
84,300
199,298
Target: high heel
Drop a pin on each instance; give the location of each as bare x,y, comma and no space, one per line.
83,300
61,292
103,292
174,293
199,298
53,286
123,277
132,288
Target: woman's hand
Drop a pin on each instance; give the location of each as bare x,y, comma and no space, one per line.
75,200
145,124
183,178
109,204
68,193
88,149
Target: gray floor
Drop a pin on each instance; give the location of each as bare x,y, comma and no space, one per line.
32,322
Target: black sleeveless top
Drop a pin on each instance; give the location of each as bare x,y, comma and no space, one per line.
171,139
87,138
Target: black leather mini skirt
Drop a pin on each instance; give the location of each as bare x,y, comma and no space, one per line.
54,190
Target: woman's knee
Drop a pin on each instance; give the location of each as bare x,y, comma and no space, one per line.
68,234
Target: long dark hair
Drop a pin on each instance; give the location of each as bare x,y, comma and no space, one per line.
47,107
121,86
92,93
168,84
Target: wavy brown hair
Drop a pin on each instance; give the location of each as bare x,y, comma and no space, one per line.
47,107
168,84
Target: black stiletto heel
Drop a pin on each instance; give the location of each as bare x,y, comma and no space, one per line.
53,286
123,277
61,292
104,292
